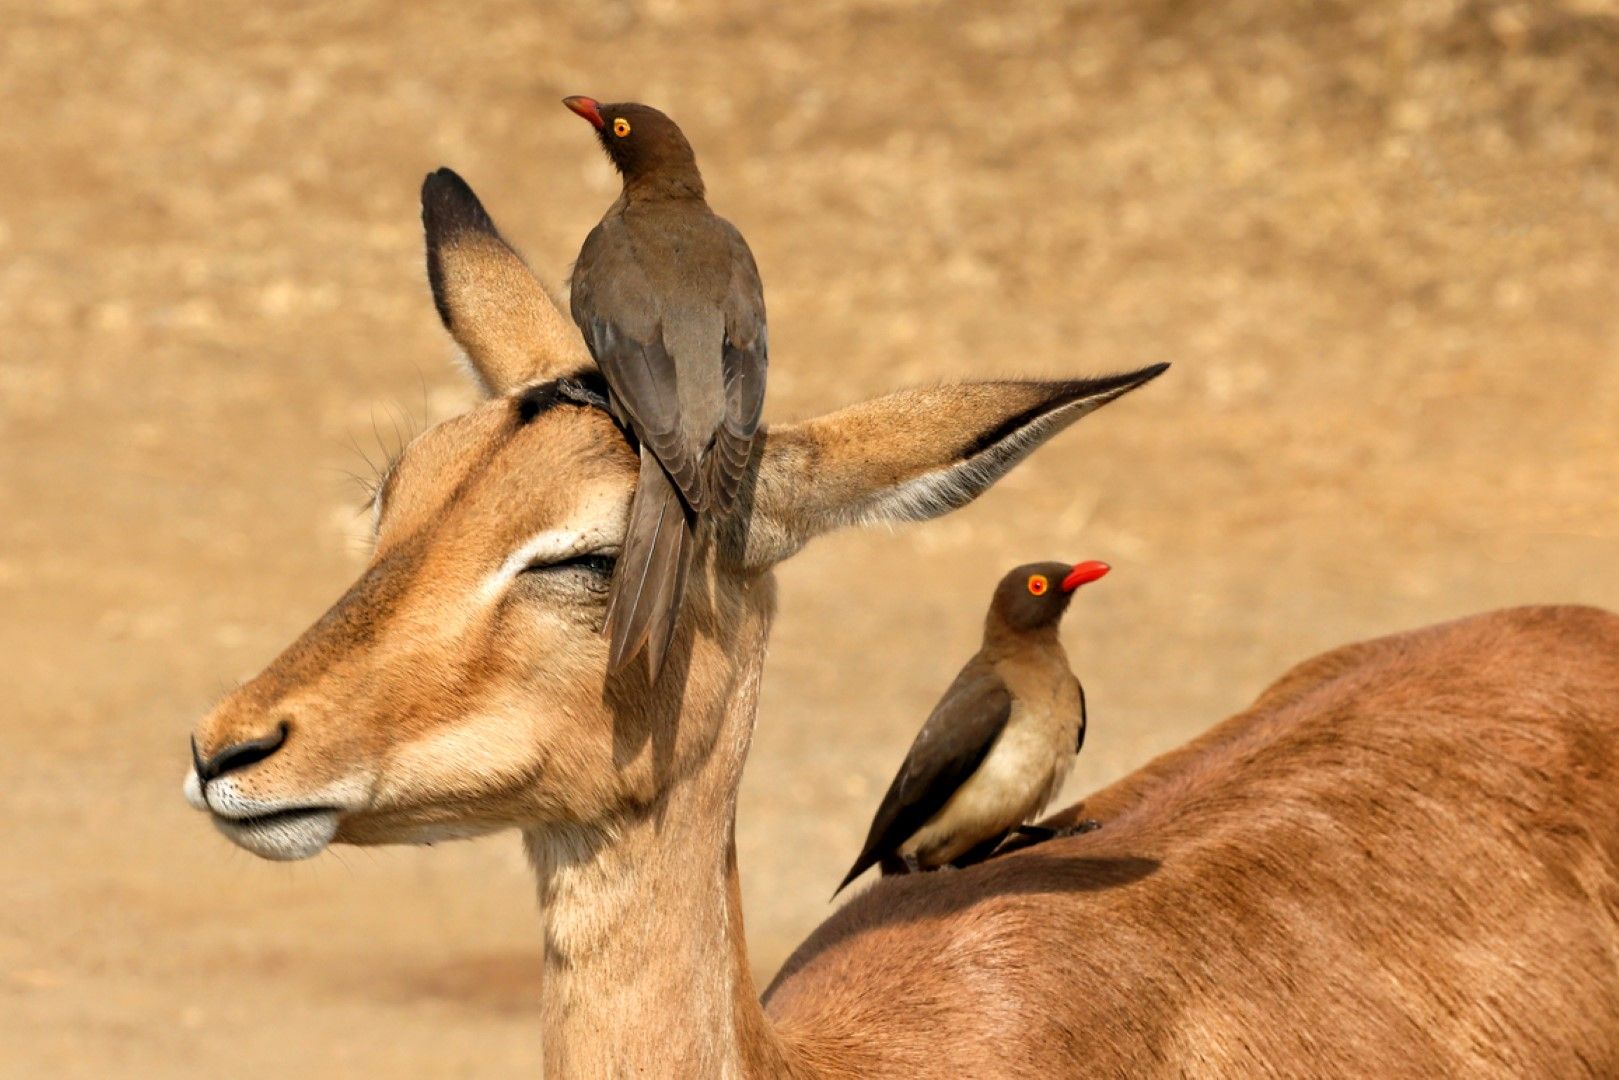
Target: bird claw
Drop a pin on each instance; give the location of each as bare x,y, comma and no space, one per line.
1041,833
914,866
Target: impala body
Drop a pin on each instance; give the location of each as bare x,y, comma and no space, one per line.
1401,861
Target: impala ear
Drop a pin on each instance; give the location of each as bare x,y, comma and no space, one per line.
491,303
904,457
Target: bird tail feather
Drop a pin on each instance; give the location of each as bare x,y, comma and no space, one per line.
650,581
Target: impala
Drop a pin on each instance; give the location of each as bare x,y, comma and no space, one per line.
1401,861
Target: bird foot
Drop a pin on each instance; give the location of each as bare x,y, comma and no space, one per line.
1039,833
909,864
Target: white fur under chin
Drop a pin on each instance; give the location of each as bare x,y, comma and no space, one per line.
301,834
279,830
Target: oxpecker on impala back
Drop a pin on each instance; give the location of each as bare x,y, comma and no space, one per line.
999,743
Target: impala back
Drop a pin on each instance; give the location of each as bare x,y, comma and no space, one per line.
1403,860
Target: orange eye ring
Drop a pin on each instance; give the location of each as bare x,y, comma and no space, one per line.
1038,585
621,127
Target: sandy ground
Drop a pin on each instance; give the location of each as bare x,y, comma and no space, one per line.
1379,241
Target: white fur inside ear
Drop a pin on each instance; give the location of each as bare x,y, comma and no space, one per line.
907,456
943,490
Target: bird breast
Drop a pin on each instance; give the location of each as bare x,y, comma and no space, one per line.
1022,771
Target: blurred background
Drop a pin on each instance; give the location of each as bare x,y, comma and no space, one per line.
1379,239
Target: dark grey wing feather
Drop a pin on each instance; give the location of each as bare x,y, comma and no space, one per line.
1079,744
636,373
745,365
620,316
951,745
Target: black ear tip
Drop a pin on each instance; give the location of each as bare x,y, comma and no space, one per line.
1133,380
1111,386
440,186
1142,376
449,206
444,178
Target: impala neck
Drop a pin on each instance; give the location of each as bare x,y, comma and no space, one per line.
646,969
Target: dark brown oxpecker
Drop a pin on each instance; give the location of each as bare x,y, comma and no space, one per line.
668,298
999,743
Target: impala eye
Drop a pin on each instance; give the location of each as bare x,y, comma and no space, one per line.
588,574
1038,585
595,562
621,127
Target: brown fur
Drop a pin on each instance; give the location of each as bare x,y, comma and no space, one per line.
1402,860
452,713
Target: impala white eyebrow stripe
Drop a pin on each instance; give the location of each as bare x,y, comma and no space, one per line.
552,545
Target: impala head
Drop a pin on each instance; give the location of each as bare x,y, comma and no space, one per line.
460,685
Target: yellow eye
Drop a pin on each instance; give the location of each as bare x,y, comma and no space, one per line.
1038,585
621,127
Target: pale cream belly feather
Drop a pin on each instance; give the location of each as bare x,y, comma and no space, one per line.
1023,770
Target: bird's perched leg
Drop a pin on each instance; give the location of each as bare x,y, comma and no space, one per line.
1039,833
979,852
891,865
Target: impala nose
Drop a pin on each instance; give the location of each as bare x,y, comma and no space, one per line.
237,755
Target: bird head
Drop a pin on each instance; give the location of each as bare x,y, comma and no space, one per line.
1035,595
644,145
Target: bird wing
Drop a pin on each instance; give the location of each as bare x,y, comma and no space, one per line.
745,363
621,316
949,748
1079,743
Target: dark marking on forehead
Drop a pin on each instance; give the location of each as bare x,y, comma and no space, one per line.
585,388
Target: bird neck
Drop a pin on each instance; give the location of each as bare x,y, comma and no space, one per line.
1000,639
664,185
